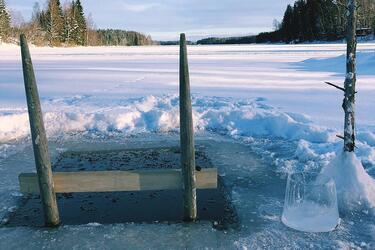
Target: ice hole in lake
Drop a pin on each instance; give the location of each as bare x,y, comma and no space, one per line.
310,204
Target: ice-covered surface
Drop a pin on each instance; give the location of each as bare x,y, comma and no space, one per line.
276,73
269,99
257,193
310,217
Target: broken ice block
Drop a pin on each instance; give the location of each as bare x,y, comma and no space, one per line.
310,205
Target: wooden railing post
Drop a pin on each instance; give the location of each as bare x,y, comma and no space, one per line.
39,139
187,137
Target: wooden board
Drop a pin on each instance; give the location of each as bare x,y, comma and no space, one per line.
113,181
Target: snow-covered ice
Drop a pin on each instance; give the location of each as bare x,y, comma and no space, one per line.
270,99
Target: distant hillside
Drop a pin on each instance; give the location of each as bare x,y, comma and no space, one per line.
229,40
176,42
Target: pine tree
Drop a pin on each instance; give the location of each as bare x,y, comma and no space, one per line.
287,24
297,26
4,22
55,22
80,23
311,17
70,24
315,19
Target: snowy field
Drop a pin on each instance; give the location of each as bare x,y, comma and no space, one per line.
267,105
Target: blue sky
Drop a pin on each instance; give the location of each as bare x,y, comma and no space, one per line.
165,19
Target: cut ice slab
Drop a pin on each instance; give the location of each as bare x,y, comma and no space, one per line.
310,204
311,217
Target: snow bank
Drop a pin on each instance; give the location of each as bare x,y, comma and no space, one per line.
366,137
365,63
315,145
354,185
161,113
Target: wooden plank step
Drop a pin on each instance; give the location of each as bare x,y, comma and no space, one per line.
113,181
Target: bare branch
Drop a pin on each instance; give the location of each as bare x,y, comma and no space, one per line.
340,136
334,85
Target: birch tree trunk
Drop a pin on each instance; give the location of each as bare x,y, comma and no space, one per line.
350,80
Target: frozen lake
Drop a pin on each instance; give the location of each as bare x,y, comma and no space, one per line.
269,104
279,73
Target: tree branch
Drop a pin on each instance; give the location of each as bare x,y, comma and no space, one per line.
340,136
334,85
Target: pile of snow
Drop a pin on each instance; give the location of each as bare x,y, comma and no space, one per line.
353,184
161,114
245,118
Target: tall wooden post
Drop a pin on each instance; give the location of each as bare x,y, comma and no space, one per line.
187,137
350,80
39,139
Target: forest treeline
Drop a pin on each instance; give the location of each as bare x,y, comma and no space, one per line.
64,25
310,20
67,25
228,40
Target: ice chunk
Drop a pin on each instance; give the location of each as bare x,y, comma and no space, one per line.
311,217
310,205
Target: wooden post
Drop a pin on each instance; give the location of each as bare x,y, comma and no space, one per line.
187,137
39,139
350,80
